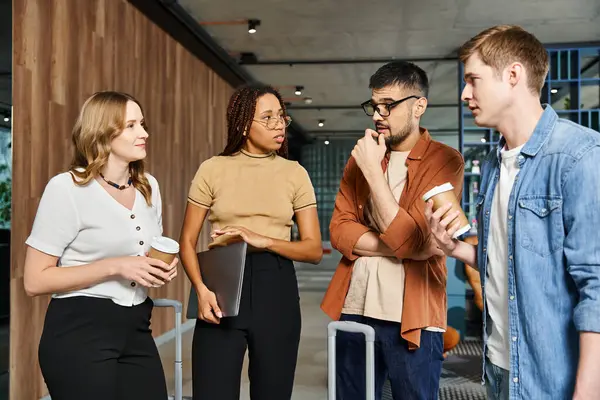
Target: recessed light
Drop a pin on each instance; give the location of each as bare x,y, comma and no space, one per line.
252,24
326,142
553,91
321,123
483,140
298,91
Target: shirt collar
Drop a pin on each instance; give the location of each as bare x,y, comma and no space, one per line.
418,152
540,135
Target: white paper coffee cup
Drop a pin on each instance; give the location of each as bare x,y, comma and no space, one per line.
164,249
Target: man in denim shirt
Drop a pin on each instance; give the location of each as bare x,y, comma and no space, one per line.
539,218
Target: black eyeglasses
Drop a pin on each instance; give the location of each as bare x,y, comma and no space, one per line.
383,109
271,122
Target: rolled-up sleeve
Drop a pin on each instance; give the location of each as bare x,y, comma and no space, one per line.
581,208
409,230
56,222
201,193
345,228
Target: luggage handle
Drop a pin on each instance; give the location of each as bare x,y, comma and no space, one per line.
354,327
178,362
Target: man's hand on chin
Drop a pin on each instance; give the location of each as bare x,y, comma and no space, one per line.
369,153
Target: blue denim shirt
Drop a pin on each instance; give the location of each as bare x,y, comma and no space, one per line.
553,254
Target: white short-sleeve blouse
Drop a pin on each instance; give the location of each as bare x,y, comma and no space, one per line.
84,224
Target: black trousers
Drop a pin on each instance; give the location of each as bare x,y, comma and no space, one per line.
94,349
268,325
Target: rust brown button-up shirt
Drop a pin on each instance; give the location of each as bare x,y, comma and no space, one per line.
430,164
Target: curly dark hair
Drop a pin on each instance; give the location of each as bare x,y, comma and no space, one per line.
240,114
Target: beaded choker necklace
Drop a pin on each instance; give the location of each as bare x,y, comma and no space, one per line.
120,187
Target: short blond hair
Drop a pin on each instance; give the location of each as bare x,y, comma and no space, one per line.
501,45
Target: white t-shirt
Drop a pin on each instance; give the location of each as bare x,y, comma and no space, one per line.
496,287
84,224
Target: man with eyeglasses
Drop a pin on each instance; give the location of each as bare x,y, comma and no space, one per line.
392,275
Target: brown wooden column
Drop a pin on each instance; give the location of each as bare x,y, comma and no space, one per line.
65,50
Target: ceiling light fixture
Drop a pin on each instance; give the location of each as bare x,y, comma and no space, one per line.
553,91
252,24
308,100
6,119
321,123
483,140
299,90
326,142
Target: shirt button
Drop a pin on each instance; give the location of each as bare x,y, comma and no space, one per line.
132,284
141,242
514,338
132,216
484,249
512,297
544,210
137,228
510,257
510,217
360,206
487,213
515,379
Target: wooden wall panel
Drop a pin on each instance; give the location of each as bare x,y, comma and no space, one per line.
64,50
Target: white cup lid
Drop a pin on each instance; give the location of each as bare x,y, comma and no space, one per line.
165,244
437,190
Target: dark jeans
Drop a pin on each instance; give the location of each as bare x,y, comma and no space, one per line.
413,374
268,325
94,349
496,381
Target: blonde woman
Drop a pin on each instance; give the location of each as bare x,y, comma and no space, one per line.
87,248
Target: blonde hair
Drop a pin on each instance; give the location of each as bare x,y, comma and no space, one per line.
101,119
501,45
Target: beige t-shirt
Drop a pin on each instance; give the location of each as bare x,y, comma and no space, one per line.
258,192
377,283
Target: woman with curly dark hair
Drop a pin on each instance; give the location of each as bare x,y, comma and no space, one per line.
252,192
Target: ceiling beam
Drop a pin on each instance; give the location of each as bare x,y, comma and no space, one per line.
378,60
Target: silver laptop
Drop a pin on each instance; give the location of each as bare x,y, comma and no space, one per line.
222,270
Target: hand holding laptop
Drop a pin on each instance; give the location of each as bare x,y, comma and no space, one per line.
238,233
208,308
224,240
222,269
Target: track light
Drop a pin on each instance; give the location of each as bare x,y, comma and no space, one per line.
308,100
298,91
321,123
252,24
